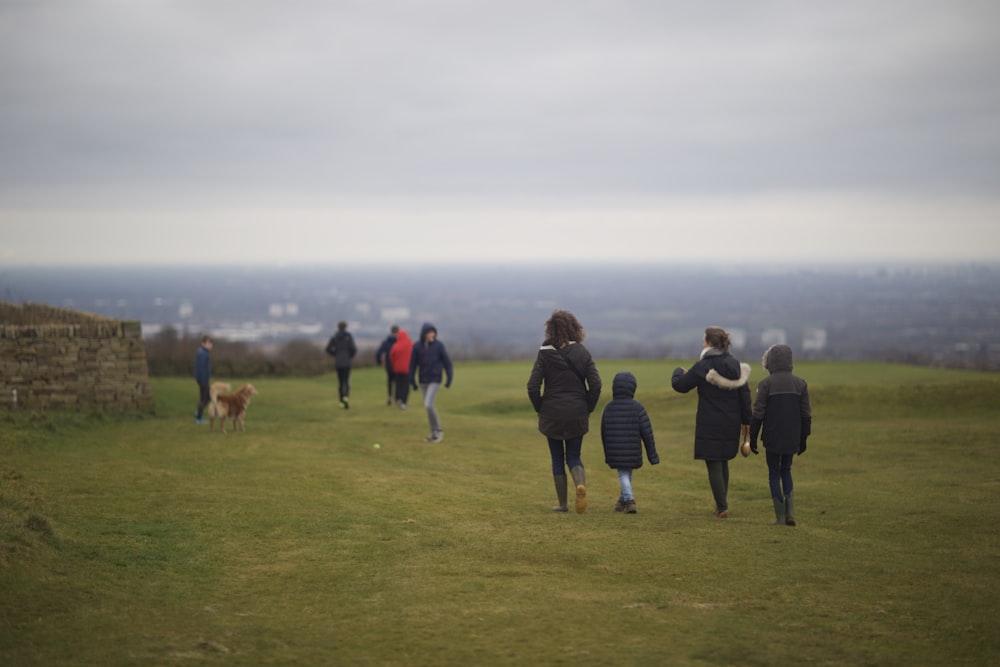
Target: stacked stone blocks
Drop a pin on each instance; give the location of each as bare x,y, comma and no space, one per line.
57,358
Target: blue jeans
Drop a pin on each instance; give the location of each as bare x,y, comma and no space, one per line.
625,482
565,453
779,474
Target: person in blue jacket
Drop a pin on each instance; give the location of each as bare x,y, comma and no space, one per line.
382,357
429,364
203,376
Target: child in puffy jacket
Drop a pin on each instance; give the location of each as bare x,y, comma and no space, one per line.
625,428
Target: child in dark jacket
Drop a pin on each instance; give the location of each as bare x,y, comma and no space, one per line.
625,428
782,416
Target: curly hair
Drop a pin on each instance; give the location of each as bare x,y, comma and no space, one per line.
718,338
563,327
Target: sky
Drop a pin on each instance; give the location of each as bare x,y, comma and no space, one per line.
466,131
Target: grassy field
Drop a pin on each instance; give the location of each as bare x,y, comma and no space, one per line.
129,541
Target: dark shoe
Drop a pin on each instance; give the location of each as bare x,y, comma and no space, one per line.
722,514
620,505
630,507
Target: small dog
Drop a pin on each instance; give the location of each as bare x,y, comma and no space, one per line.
229,406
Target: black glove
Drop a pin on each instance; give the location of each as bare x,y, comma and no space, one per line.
802,446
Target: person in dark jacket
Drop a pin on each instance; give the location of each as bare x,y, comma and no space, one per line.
723,410
203,376
572,388
429,364
782,417
382,357
399,360
342,348
625,429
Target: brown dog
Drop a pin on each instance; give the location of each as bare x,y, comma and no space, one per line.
230,406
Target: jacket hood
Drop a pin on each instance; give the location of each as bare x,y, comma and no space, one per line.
403,337
719,380
777,358
624,385
427,326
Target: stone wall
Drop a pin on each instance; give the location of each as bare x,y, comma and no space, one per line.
56,358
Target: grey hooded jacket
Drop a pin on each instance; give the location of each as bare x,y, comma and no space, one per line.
782,415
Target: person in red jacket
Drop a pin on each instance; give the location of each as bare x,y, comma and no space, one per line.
399,361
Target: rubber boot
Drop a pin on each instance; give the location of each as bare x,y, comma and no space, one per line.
717,480
789,510
779,511
560,481
580,479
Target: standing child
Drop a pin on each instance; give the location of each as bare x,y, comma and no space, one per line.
782,409
625,428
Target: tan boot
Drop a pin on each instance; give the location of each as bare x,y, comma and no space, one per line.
580,479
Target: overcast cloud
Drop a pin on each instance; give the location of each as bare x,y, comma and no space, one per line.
140,130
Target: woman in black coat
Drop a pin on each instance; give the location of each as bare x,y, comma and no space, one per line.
572,387
723,410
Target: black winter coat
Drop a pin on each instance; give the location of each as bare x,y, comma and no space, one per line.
782,406
564,409
723,403
625,427
342,348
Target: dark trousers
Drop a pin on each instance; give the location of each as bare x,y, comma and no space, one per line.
402,387
779,474
203,398
344,382
390,382
718,479
565,453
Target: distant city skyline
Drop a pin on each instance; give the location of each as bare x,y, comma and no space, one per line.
206,132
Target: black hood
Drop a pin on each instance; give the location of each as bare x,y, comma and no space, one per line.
624,385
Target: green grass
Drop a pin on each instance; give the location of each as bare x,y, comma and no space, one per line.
151,541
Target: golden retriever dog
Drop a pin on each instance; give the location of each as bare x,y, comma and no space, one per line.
230,406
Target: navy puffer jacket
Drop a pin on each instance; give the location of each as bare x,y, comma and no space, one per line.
625,427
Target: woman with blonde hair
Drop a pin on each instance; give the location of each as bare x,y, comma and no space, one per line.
572,387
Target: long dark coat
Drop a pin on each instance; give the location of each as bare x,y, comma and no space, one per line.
564,409
723,403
